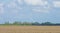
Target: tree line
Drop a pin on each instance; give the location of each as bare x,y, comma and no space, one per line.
32,23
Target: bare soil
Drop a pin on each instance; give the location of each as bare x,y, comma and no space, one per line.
29,29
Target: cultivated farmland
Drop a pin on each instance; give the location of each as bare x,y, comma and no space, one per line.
29,29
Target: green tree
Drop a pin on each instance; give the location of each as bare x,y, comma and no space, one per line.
26,23
7,23
15,23
47,23
36,23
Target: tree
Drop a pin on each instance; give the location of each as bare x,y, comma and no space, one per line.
26,23
36,23
7,23
47,23
16,23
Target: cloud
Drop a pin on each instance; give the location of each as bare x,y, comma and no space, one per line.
35,2
1,8
41,10
56,3
13,7
43,5
20,2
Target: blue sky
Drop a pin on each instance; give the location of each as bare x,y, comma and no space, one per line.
30,10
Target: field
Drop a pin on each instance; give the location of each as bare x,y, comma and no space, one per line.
29,29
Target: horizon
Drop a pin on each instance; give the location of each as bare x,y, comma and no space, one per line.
30,11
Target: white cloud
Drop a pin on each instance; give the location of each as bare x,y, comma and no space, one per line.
20,2
1,8
14,11
35,2
41,10
56,3
44,9
12,5
45,3
15,8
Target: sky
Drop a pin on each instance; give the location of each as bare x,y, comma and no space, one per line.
30,11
